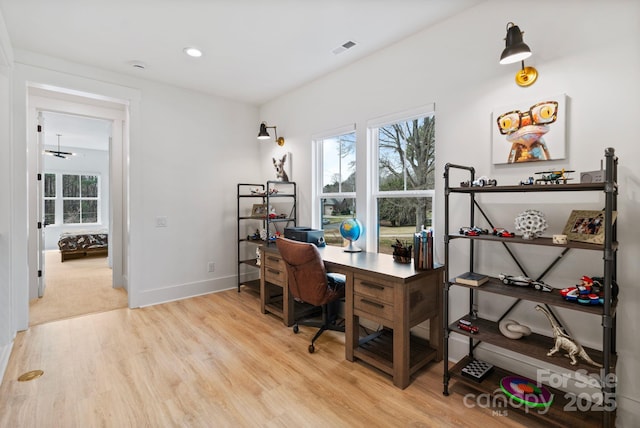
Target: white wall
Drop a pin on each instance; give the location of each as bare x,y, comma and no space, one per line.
586,49
86,162
184,157
7,330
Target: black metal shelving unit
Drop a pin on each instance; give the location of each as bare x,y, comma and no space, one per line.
273,192
536,346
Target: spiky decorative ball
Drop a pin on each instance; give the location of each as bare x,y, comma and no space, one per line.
531,223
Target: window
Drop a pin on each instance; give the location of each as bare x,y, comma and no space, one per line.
79,199
49,215
405,177
337,181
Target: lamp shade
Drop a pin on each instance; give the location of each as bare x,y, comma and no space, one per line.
263,134
515,48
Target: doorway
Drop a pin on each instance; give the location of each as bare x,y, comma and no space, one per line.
81,191
75,203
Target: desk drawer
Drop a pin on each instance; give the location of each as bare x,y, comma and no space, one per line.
373,288
274,262
365,305
275,276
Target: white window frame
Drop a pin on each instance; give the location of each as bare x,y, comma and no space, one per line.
59,199
318,170
373,193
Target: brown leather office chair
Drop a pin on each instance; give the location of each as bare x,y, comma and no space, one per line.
310,283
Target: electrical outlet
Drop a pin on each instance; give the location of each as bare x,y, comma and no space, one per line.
161,222
211,266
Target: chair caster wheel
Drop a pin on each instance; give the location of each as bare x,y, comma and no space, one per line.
296,329
311,349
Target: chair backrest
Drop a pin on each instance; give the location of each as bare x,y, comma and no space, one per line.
306,273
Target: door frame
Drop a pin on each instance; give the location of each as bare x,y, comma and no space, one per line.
24,79
52,102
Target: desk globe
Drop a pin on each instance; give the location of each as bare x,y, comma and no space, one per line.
351,229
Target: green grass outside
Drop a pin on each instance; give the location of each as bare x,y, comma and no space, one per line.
388,235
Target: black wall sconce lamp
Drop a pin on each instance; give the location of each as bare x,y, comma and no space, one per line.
516,50
264,135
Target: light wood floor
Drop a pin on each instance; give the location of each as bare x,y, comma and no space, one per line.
211,361
75,287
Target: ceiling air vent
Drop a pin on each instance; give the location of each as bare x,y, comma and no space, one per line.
343,47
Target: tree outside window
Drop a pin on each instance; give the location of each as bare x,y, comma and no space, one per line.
338,181
79,198
49,194
406,179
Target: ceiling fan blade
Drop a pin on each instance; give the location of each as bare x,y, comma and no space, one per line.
57,152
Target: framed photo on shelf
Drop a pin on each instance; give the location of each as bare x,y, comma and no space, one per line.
259,210
586,226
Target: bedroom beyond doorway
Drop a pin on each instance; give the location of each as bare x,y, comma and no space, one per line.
76,287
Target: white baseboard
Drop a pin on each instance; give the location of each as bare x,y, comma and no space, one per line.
184,291
5,353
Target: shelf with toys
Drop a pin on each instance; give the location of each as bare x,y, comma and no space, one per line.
591,296
261,208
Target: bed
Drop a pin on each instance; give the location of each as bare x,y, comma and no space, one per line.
78,244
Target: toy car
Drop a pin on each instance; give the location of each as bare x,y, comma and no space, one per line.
480,182
590,291
541,286
473,231
523,281
484,181
498,231
528,182
467,326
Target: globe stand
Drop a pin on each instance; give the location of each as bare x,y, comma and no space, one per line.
352,248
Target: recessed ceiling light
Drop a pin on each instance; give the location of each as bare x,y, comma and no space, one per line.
194,52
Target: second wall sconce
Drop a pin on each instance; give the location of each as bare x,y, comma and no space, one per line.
264,135
517,50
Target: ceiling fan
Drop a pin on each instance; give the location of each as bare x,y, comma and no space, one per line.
58,153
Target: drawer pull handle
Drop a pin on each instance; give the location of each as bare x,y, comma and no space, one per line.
273,259
369,302
371,285
275,272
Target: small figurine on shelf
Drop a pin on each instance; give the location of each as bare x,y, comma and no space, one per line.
554,177
473,231
504,233
468,326
254,237
528,182
523,281
565,342
273,237
480,182
531,223
272,213
512,329
258,256
590,291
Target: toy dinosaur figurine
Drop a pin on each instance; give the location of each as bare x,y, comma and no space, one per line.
563,341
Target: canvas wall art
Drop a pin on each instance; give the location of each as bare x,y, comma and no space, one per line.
530,131
282,166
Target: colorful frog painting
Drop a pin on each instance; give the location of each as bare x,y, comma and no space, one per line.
524,130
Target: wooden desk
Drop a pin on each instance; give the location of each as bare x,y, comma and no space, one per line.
392,295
